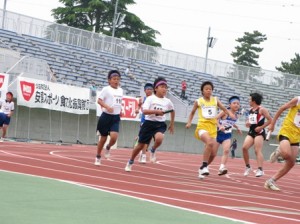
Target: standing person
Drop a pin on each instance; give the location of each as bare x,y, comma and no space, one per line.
206,130
183,89
155,126
7,107
233,148
110,100
225,125
289,138
148,89
256,135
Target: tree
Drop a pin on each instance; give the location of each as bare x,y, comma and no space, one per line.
292,68
97,15
247,53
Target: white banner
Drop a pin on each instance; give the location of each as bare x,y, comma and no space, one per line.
42,94
129,105
3,85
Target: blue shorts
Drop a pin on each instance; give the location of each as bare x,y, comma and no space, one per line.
149,129
108,123
221,136
4,119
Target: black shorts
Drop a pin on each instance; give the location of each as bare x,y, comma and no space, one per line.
108,123
149,129
254,134
282,137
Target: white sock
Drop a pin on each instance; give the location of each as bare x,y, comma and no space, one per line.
222,166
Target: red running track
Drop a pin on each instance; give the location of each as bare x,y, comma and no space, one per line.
172,180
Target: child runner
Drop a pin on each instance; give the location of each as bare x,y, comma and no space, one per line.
110,100
7,107
206,130
256,135
225,125
289,138
148,89
155,126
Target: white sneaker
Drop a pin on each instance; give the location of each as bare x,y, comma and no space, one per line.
107,152
274,155
200,175
204,171
97,161
152,157
1,139
270,184
247,171
128,167
222,171
143,158
259,173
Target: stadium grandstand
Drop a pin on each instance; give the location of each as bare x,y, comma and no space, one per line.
77,57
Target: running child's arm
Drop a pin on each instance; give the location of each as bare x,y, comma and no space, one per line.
293,102
267,115
238,129
171,127
104,105
195,107
140,102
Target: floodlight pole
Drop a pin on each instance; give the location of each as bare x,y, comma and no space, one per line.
207,46
3,14
115,18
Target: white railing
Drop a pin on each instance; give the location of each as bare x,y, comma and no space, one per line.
102,43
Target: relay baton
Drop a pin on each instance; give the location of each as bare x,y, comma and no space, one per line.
268,135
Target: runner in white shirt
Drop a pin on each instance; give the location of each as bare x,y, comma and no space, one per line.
7,107
110,100
154,108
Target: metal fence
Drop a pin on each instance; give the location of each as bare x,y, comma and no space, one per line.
98,42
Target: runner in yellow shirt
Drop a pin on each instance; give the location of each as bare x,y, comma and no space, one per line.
289,138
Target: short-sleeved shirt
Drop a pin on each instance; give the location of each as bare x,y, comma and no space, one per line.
155,103
291,124
7,106
113,98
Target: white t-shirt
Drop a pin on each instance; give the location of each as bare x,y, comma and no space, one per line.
7,107
155,103
113,98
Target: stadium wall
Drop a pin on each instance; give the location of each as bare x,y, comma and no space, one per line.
29,124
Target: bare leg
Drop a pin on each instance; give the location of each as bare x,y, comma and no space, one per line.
101,142
289,153
246,146
258,144
226,148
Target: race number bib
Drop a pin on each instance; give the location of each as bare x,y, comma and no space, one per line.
252,118
117,101
209,112
297,120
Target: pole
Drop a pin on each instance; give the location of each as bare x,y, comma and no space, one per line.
4,14
207,46
115,18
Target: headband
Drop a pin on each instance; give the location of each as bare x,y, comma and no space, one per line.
161,83
148,87
234,99
114,74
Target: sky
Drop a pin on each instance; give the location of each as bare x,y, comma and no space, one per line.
183,25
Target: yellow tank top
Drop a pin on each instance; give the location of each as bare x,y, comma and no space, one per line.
207,110
292,119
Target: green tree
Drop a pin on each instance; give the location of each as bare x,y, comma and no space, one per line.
292,68
247,53
97,15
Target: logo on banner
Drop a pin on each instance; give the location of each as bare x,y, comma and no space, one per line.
2,77
129,106
27,89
